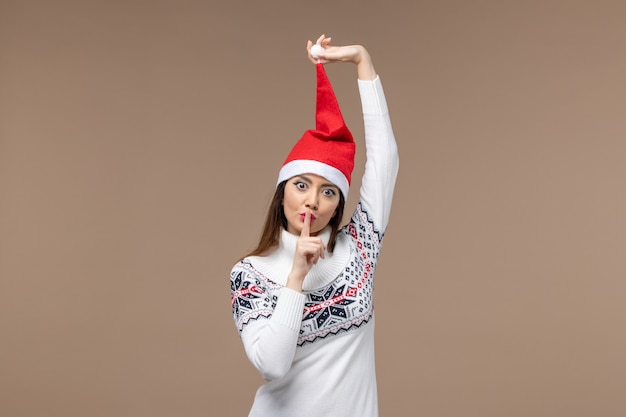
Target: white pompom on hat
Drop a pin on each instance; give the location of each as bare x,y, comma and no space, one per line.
328,150
316,49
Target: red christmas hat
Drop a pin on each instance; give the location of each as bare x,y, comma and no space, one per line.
327,151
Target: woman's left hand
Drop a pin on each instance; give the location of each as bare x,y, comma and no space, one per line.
355,54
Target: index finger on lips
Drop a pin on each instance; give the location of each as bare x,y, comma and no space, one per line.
306,226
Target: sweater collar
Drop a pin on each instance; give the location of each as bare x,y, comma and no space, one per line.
277,265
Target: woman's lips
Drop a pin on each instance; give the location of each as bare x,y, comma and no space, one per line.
303,216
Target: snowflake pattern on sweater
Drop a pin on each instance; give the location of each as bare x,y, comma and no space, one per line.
346,303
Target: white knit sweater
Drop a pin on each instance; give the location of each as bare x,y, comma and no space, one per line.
316,348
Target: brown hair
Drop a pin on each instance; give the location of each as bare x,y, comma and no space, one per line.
276,220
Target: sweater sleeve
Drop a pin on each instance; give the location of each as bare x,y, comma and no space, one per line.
269,325
271,344
381,167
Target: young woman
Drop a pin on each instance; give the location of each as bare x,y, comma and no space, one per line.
303,299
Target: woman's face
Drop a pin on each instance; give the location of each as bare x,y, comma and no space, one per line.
309,192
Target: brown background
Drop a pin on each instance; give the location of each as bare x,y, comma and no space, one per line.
140,142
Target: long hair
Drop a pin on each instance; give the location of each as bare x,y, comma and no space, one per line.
276,220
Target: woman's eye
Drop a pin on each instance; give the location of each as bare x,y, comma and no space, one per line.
328,192
300,185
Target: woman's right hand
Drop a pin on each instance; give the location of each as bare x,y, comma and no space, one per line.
308,251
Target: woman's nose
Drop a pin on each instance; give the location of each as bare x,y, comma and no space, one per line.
311,202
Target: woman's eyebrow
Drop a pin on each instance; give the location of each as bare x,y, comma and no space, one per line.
307,179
